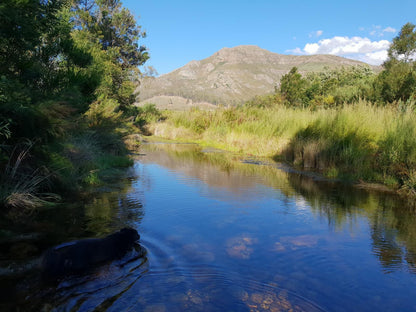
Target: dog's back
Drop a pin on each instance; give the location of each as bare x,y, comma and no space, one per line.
80,256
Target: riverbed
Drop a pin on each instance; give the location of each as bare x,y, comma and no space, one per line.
225,232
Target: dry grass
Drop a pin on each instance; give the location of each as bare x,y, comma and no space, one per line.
22,189
355,142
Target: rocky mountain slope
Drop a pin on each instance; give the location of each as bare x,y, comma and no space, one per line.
231,76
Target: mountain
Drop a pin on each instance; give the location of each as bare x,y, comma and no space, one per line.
230,76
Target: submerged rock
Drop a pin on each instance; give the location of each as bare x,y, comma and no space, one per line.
241,246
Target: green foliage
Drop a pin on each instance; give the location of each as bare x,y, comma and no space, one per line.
397,82
92,179
68,71
114,161
111,35
339,86
265,101
335,142
142,115
23,189
149,114
292,88
326,88
351,142
397,155
403,47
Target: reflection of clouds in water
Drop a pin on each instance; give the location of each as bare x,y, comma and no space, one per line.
302,204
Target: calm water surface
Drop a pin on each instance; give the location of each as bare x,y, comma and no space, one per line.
224,233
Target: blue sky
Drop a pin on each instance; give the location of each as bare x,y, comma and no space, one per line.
181,31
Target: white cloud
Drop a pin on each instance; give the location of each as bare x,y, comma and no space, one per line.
359,48
375,58
296,51
317,33
389,29
378,31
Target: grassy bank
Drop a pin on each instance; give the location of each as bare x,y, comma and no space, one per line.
39,174
353,142
36,173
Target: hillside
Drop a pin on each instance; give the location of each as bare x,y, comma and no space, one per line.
231,76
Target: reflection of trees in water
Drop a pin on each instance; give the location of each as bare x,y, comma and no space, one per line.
102,212
130,210
217,169
394,236
384,235
336,202
392,222
113,210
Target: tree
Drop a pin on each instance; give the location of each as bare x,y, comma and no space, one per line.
66,69
37,58
112,35
397,82
292,87
403,47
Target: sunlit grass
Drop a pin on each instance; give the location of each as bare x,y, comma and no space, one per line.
359,141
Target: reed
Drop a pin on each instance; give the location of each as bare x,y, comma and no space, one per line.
23,189
359,141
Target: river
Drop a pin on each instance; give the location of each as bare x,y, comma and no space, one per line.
230,233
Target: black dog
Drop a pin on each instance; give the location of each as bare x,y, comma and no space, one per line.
80,256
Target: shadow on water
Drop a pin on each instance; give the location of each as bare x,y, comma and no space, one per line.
105,210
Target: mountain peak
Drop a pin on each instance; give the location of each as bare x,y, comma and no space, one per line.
243,54
234,75
242,49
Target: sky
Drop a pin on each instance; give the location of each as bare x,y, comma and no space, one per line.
184,30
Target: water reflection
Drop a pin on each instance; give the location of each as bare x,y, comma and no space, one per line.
394,236
217,169
392,221
104,211
227,233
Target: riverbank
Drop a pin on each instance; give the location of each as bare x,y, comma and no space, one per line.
358,143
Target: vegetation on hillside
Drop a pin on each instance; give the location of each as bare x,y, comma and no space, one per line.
348,123
68,71
233,75
327,88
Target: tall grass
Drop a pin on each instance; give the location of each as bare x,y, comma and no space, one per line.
354,142
86,158
22,188
262,132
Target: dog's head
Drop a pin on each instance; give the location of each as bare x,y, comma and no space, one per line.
129,234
